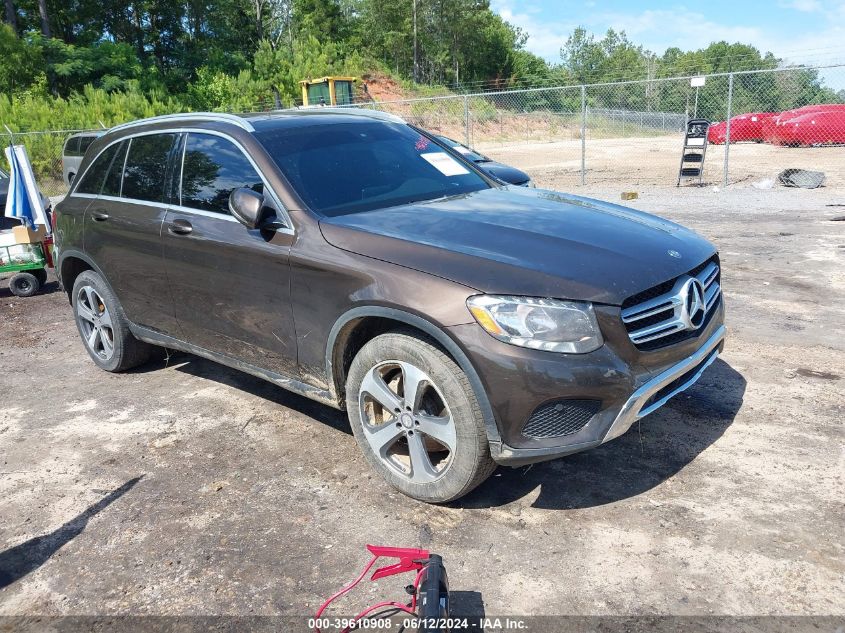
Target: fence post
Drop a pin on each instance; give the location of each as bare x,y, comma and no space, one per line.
583,133
728,126
466,121
11,134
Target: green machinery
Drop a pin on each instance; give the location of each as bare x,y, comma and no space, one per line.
28,262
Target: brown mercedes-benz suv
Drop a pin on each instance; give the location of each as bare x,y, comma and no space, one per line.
355,259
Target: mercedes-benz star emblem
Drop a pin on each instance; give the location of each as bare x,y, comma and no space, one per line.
694,304
674,254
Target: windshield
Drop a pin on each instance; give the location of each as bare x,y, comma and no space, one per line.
463,149
348,167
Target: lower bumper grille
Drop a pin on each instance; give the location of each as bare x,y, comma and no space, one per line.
657,391
560,418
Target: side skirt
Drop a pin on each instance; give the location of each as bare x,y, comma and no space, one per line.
285,382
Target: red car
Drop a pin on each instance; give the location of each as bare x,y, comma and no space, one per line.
744,127
823,129
819,127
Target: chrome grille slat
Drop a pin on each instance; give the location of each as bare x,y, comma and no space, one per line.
636,313
672,303
708,275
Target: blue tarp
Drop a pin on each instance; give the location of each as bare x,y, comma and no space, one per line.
24,199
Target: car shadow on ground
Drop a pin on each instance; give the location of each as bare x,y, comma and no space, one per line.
638,461
20,560
203,368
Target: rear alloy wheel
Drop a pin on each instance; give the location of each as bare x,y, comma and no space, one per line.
95,323
416,418
103,328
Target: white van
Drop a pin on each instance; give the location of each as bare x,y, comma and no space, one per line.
73,151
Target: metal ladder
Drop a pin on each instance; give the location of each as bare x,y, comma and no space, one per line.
694,150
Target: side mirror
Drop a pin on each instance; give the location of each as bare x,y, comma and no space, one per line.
247,206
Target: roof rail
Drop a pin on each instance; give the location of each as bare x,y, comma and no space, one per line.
353,110
203,116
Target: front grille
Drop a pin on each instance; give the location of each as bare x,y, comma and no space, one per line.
661,315
560,418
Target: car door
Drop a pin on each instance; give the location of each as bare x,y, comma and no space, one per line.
230,285
122,231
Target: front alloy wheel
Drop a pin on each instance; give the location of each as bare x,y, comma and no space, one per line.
406,421
416,417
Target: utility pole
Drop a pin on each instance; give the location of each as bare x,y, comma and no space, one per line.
45,20
12,15
416,47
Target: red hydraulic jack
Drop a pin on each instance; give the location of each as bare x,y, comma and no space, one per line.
429,592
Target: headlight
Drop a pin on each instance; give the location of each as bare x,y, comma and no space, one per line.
545,324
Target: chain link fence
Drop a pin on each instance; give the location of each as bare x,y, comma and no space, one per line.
626,134
631,133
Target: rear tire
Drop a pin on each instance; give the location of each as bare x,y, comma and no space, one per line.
430,444
24,284
104,328
41,275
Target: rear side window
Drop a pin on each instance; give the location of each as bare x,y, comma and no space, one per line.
72,146
92,181
146,167
111,187
85,143
213,167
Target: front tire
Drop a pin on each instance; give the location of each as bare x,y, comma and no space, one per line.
103,327
416,418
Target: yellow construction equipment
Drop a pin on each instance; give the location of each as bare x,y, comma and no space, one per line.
329,91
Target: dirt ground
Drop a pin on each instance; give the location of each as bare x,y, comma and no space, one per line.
186,488
628,162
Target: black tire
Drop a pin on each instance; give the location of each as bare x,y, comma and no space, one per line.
126,351
468,465
41,275
24,284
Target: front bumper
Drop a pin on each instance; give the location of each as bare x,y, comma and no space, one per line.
629,388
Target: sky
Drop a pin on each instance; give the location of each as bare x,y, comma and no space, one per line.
801,31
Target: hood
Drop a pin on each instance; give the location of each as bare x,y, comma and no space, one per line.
526,242
506,173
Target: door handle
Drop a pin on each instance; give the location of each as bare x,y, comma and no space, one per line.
100,216
180,227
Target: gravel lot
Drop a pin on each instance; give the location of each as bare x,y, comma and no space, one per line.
186,488
628,162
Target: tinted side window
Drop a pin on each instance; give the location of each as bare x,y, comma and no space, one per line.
72,146
213,167
146,166
111,187
85,143
92,181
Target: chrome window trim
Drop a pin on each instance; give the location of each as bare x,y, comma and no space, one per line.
170,207
122,169
289,229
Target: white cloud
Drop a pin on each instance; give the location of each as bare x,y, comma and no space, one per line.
659,29
807,6
544,38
